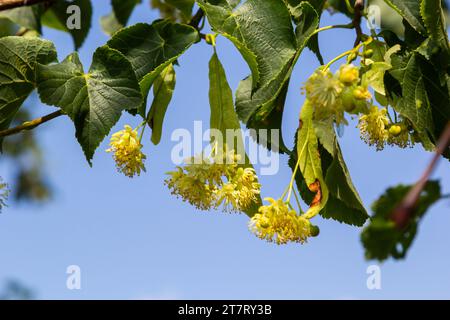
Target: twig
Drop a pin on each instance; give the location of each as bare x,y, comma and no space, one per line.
30,124
197,18
359,8
11,4
406,209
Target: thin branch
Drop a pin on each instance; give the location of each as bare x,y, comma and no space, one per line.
197,18
30,124
359,8
11,4
406,210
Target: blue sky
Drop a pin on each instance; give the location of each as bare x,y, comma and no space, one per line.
133,240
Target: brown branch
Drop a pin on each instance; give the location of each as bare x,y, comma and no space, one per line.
11,4
406,209
197,18
30,124
359,8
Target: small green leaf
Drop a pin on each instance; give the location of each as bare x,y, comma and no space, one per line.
223,115
26,17
381,238
162,95
185,7
410,11
118,19
56,17
93,100
18,59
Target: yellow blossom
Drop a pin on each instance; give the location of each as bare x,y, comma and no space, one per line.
278,223
373,127
348,74
127,152
213,181
240,191
323,90
362,93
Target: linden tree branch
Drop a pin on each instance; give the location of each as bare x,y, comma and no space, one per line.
30,124
406,209
11,4
358,9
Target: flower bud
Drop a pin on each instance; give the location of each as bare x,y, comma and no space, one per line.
368,53
362,93
348,74
395,130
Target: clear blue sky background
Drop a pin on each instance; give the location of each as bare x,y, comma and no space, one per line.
132,239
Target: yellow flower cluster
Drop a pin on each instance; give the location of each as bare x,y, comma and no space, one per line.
208,183
127,152
278,223
377,130
373,127
332,94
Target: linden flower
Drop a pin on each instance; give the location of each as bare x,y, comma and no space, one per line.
127,152
196,182
362,93
323,90
373,127
278,223
201,182
240,192
228,196
348,74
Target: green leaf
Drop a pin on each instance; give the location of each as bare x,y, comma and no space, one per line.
436,47
263,33
118,19
410,11
296,9
26,17
223,115
185,7
18,59
93,100
56,17
344,203
412,100
151,48
417,94
162,95
381,238
309,161
434,20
